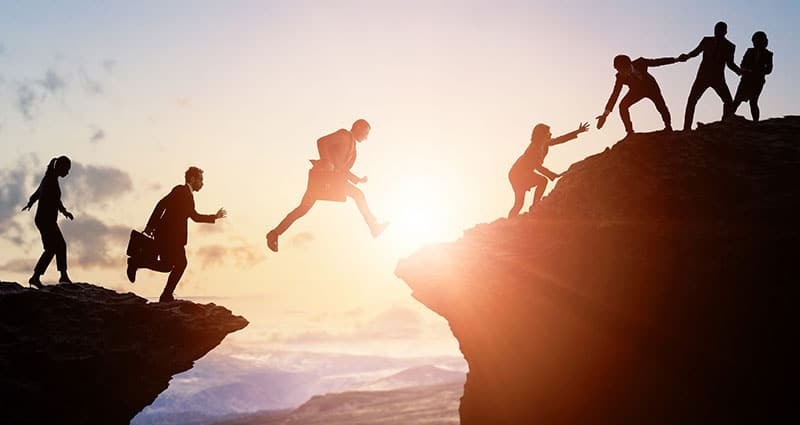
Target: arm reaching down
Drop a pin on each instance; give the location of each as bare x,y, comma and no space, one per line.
612,100
546,172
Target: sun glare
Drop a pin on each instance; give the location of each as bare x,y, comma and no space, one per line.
418,216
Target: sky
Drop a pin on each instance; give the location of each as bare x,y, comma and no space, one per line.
135,92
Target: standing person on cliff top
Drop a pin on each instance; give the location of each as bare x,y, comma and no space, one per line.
529,172
330,178
49,196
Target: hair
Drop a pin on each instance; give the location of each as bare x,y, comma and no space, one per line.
539,130
760,39
59,162
721,28
621,60
361,124
192,172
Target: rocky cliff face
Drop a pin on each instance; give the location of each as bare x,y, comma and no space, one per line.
81,354
655,284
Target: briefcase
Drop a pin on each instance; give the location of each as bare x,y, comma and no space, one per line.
325,184
141,246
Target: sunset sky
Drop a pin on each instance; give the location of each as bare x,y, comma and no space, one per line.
135,92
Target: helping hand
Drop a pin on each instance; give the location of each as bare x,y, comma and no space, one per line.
69,215
683,57
601,120
26,207
583,127
221,213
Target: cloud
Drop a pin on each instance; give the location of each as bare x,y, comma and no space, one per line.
53,82
97,134
2,49
93,243
27,101
395,323
19,265
183,102
89,84
242,256
14,186
109,65
302,240
91,184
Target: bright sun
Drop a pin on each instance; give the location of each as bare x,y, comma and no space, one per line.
418,216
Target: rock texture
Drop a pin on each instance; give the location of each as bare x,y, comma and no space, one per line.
656,284
81,354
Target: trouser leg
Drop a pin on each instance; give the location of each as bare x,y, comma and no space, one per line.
361,202
178,259
50,243
624,110
754,110
661,107
724,93
305,205
698,88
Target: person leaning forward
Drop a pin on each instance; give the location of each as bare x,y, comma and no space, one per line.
168,225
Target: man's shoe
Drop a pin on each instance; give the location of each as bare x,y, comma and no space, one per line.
272,240
377,229
64,278
35,282
165,298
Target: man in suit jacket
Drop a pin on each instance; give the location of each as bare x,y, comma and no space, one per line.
717,52
168,225
641,85
337,154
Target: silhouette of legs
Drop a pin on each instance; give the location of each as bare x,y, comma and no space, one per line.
661,107
624,109
698,88
522,183
172,260
54,246
749,91
361,202
305,206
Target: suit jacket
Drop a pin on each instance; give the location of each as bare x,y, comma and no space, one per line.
756,63
339,148
169,218
717,52
642,82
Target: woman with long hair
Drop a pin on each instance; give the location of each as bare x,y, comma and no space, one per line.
529,172
49,196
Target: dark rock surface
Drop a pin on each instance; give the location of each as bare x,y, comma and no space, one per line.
81,354
657,283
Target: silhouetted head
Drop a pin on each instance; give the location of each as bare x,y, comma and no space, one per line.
760,40
622,63
720,29
194,178
60,166
360,130
540,133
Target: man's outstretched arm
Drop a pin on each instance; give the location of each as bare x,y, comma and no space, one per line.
612,100
659,61
697,50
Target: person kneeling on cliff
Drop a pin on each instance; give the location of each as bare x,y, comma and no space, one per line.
167,225
523,175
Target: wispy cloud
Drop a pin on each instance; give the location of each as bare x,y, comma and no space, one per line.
98,134
53,82
241,255
302,239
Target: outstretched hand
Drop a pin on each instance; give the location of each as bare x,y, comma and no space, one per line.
583,127
221,213
26,207
601,120
69,215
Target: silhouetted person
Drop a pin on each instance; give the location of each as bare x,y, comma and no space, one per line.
168,225
337,154
717,52
49,196
641,85
756,64
524,176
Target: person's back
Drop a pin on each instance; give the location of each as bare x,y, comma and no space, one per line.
640,80
178,206
49,198
338,148
757,62
717,51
